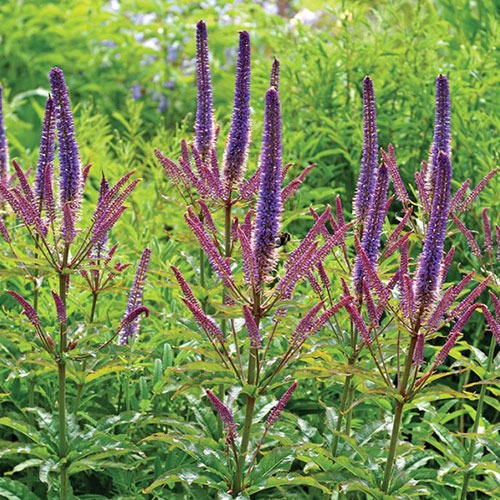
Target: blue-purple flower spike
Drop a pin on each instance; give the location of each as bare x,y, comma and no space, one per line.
429,265
47,149
235,155
4,148
204,127
269,205
368,171
135,298
370,241
70,176
442,131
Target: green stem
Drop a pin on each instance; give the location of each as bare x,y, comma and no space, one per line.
479,414
252,380
63,439
398,413
343,406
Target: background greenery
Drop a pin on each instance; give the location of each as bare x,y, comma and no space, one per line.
130,69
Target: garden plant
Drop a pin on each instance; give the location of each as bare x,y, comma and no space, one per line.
337,350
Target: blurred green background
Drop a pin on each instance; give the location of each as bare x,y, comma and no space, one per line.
133,60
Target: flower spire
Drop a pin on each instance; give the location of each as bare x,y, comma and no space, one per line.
429,265
226,417
204,127
442,131
275,413
135,298
370,241
47,149
368,171
70,176
4,147
235,155
269,205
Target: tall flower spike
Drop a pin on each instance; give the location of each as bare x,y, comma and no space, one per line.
442,133
370,241
70,175
47,150
368,172
135,298
235,155
269,204
4,147
429,265
204,127
226,417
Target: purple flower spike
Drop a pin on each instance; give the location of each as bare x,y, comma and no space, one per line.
269,205
204,127
368,172
442,133
429,265
47,149
275,413
235,155
135,299
274,81
226,417
4,147
70,180
370,241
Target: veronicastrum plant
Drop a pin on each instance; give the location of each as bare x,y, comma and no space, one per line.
62,246
398,312
257,284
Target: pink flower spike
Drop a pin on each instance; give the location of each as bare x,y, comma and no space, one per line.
23,182
358,322
390,160
496,304
418,354
308,239
226,417
290,190
454,334
470,298
249,262
477,190
186,290
68,224
459,195
207,217
494,326
252,329
28,308
250,187
206,323
5,232
468,236
488,237
304,326
423,195
275,413
219,264
60,308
